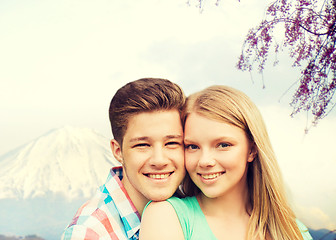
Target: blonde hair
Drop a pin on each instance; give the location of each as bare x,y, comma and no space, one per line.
271,216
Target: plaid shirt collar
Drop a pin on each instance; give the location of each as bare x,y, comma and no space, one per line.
130,221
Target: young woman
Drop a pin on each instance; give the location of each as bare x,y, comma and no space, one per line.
234,186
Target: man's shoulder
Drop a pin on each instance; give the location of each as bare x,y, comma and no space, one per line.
96,218
99,201
93,208
103,215
86,222
96,203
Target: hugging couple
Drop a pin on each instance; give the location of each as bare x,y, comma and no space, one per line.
200,167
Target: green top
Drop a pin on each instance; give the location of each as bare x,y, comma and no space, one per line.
194,224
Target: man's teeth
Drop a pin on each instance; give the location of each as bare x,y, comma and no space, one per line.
159,176
211,176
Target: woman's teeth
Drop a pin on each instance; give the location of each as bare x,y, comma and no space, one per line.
211,176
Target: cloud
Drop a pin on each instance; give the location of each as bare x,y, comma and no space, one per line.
315,218
308,163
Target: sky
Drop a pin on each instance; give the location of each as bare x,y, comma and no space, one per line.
62,61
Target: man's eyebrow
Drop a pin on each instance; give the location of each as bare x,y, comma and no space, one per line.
137,139
173,136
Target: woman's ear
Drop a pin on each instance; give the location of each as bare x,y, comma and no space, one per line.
253,153
116,151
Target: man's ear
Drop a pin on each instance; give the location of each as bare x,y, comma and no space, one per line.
116,150
253,153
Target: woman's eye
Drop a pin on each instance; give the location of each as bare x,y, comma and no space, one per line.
223,145
191,147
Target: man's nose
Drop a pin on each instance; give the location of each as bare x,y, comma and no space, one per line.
158,158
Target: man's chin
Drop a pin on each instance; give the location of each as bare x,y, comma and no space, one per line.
162,197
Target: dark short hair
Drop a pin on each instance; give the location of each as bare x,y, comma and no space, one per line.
142,95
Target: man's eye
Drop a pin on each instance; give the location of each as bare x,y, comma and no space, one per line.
141,145
173,143
223,145
191,147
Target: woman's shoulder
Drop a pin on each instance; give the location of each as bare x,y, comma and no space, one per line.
169,204
154,206
184,206
159,218
182,201
304,230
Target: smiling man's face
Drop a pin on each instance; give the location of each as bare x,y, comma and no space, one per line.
152,155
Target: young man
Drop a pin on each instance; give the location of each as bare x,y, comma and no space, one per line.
148,142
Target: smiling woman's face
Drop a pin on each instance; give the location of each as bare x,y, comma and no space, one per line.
216,156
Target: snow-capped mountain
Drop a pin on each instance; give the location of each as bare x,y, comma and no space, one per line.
70,161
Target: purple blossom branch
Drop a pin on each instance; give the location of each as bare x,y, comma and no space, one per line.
310,37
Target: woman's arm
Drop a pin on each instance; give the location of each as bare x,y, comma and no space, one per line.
159,221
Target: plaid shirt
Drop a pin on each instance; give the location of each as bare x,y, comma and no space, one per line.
110,214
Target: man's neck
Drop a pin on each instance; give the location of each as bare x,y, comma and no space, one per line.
136,197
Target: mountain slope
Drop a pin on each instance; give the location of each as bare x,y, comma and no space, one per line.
70,161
